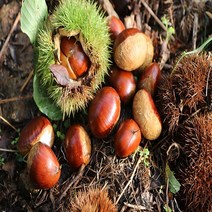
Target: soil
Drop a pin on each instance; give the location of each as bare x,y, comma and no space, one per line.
147,188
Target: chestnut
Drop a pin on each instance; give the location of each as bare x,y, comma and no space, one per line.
149,78
130,49
77,146
127,138
116,26
64,61
104,112
146,115
149,53
72,50
124,83
38,129
43,167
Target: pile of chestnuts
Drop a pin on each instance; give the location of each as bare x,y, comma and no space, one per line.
132,53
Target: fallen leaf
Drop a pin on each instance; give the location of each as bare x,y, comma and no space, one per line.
61,74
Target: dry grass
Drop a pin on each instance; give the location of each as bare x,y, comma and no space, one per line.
127,180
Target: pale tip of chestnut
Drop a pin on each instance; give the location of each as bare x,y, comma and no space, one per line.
130,49
39,129
146,115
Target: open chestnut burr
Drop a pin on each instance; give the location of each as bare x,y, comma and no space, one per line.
73,56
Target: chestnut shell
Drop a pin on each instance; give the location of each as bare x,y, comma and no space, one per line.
77,146
43,166
124,83
149,78
127,138
38,129
104,112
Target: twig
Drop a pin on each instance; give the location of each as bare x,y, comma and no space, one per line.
155,17
13,99
7,150
73,182
8,123
195,25
167,192
9,35
107,6
27,81
136,207
131,178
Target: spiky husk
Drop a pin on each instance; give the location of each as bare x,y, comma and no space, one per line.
92,200
184,102
167,103
86,19
186,91
190,80
195,174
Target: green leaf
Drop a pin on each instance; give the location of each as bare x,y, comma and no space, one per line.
33,14
167,208
44,103
174,184
165,21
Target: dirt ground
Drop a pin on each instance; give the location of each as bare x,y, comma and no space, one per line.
131,184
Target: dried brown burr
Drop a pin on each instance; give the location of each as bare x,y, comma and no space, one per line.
195,174
184,102
92,200
187,90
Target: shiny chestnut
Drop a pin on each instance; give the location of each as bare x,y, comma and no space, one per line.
73,53
38,129
77,146
43,167
149,78
116,26
124,83
130,48
127,138
104,112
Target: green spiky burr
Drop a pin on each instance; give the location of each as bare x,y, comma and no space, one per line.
85,21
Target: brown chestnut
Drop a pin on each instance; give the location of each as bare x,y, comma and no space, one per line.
124,83
149,78
64,61
43,167
116,26
104,112
149,53
146,115
73,51
77,146
130,49
127,138
38,129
